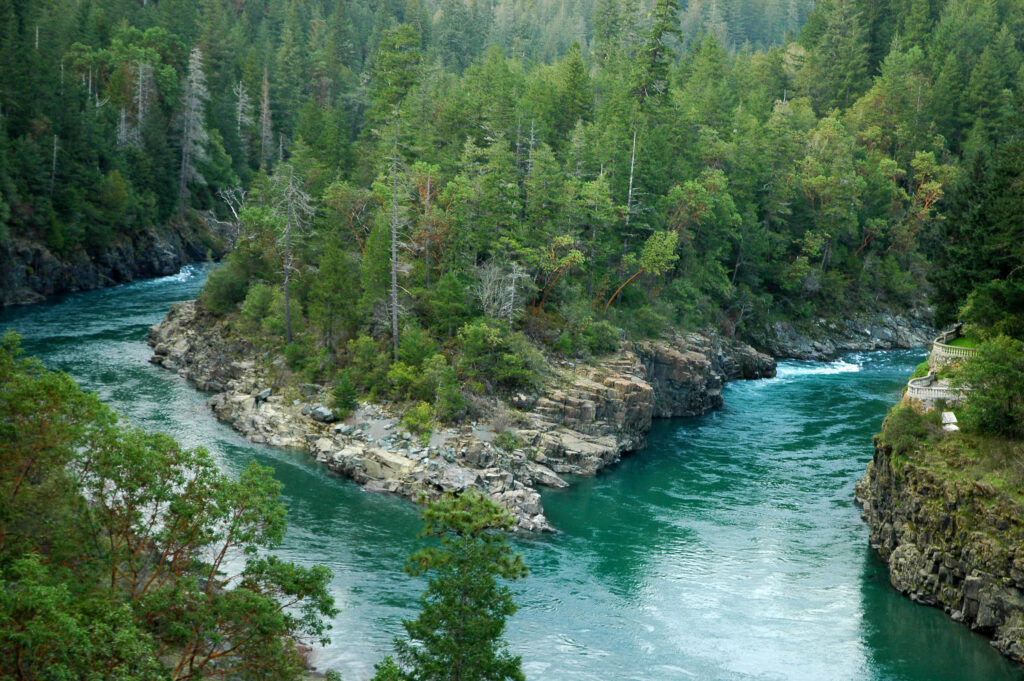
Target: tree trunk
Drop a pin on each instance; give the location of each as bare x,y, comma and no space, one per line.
287,282
619,290
629,194
394,241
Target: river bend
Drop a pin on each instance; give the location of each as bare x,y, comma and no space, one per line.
729,550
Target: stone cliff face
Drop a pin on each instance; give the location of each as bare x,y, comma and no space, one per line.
825,339
586,418
29,272
954,544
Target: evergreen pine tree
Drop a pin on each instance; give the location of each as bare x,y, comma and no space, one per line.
458,633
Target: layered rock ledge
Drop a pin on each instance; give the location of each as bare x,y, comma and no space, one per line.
952,543
826,339
586,417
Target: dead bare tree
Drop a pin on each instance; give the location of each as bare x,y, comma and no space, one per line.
397,221
243,115
266,126
193,130
234,199
295,207
499,289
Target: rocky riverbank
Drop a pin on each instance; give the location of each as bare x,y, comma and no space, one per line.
826,339
586,417
950,542
30,272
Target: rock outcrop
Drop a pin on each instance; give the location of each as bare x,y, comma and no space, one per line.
953,543
587,417
29,271
825,340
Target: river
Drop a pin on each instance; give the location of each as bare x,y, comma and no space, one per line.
730,549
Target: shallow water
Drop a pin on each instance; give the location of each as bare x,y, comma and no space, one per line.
730,549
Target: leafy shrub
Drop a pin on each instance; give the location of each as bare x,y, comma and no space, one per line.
406,382
225,288
998,307
419,419
646,322
503,359
601,337
416,346
447,304
257,303
578,333
305,359
994,383
273,322
369,365
449,404
506,440
905,429
921,370
435,381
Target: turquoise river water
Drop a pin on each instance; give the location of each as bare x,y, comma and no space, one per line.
730,549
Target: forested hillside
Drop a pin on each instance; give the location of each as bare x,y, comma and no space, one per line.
464,171
99,100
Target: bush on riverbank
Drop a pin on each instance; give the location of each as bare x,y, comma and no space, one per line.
993,382
994,462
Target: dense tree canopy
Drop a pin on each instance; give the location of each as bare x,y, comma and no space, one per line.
554,175
124,556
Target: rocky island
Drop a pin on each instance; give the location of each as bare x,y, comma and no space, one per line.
586,417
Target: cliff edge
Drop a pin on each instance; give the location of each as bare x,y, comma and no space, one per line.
951,536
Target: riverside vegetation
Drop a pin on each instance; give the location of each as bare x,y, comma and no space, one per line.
125,556
946,508
448,206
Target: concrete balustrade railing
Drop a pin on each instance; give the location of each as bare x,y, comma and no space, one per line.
925,390
943,353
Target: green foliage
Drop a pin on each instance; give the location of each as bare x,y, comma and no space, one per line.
551,158
259,300
458,633
994,383
494,356
416,347
143,598
906,430
54,631
419,419
997,308
369,363
345,394
225,288
506,440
